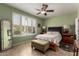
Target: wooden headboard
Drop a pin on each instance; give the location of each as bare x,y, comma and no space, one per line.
59,29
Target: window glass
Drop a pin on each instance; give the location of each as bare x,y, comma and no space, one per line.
16,24
24,21
29,22
16,19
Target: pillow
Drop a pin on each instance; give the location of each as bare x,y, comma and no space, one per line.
49,32
53,32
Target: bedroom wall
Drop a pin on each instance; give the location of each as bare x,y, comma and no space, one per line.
78,13
6,12
66,19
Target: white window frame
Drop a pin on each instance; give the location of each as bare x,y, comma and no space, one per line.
27,23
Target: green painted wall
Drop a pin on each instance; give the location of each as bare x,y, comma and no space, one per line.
6,12
66,19
78,12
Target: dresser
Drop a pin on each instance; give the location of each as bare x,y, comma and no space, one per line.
68,38
67,41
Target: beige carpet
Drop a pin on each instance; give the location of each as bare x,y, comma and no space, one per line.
26,50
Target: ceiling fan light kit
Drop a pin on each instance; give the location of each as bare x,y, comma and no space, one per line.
42,12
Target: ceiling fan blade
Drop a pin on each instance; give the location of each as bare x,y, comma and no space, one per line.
38,9
50,10
45,14
45,5
38,13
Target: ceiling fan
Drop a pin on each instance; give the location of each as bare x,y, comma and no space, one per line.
44,10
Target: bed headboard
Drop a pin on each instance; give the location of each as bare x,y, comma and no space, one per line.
59,29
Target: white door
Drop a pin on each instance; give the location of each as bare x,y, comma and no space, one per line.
77,28
6,38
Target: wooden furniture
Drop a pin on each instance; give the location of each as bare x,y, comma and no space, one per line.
67,41
68,38
76,48
41,45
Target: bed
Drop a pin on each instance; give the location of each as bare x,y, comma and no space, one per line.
54,34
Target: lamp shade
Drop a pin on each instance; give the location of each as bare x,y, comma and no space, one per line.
44,27
66,27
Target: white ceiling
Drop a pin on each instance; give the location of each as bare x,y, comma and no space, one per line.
59,8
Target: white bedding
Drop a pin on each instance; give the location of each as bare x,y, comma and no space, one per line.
54,37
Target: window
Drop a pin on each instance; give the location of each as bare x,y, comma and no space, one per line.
29,25
23,25
16,19
16,24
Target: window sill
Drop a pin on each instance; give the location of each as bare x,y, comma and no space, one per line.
29,34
